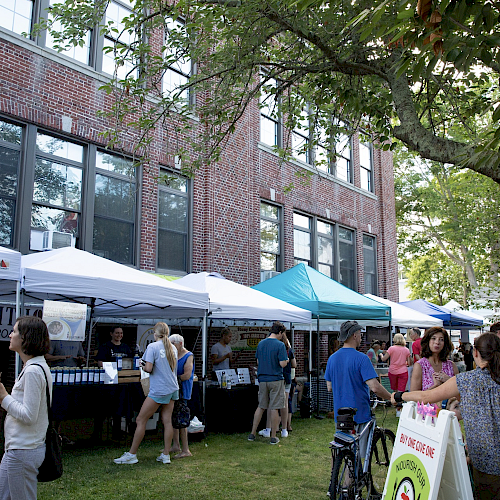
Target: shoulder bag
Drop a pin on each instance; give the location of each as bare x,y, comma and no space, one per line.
51,468
181,416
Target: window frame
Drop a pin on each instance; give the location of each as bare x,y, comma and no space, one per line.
189,234
365,142
279,222
374,250
309,231
278,121
335,238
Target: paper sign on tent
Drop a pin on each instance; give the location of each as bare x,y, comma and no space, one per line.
428,461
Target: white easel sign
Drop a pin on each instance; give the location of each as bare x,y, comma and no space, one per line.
428,461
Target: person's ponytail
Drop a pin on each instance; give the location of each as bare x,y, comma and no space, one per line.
162,331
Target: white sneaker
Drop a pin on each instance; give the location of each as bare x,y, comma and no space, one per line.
284,433
163,458
126,458
398,413
265,433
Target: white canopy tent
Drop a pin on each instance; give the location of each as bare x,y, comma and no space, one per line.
405,317
230,300
112,289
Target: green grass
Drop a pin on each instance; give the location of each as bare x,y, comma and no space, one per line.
223,467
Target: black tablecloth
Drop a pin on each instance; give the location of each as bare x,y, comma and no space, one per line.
81,401
230,410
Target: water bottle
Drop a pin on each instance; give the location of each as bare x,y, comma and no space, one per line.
228,383
72,376
119,361
85,375
223,381
78,376
101,375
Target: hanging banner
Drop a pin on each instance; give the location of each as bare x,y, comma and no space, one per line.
65,320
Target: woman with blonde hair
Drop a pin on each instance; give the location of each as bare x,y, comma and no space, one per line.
160,360
400,360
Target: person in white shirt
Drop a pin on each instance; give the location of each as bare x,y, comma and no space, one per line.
27,415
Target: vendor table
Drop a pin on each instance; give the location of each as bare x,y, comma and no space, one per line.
96,400
230,410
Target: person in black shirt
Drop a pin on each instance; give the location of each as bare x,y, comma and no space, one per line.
115,346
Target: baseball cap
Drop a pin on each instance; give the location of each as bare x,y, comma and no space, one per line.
347,329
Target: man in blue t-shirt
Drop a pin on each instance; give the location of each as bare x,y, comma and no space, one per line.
271,359
351,376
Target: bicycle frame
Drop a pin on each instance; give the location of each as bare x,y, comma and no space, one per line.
351,441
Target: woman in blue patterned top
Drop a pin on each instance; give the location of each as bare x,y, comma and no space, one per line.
479,394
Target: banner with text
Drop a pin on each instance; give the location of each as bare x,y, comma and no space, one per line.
65,320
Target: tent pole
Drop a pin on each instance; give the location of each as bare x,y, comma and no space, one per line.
318,416
204,346
92,305
19,308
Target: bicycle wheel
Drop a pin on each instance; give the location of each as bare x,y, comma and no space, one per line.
342,482
380,458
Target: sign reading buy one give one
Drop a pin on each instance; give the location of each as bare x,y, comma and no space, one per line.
428,461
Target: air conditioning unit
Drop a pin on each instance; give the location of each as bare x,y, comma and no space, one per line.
57,239
265,275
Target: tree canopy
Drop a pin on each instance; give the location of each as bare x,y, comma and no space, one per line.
399,69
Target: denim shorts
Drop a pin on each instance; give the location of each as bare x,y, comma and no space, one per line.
164,400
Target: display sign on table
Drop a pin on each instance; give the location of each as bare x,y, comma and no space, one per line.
428,461
230,375
65,320
247,337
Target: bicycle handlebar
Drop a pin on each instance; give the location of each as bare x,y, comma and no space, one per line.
376,402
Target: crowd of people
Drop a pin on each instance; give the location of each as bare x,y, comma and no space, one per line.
349,374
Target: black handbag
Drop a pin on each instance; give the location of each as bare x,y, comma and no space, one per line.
181,416
51,468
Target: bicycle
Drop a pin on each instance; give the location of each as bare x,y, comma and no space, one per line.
351,479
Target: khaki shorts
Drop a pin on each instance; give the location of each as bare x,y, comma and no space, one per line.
272,395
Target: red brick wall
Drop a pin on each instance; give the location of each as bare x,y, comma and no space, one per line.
226,229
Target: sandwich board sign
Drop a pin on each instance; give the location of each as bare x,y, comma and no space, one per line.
428,461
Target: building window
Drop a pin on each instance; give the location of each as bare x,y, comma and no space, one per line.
302,229
117,42
325,239
270,132
301,139
370,264
79,53
173,222
343,157
114,208
366,164
180,66
270,237
338,163
347,257
57,193
16,15
10,160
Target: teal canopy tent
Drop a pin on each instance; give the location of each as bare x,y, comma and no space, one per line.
309,289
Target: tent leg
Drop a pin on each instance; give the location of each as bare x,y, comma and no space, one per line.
19,306
318,416
91,326
204,347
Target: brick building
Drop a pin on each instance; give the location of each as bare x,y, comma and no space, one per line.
60,185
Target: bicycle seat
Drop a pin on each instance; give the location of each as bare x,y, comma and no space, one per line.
347,410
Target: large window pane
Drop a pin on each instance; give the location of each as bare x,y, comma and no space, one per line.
114,240
57,184
347,258
114,197
173,254
269,110
370,264
59,147
15,15
173,222
301,245
79,53
270,237
45,219
10,133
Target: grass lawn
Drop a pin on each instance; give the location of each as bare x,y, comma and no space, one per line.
222,467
